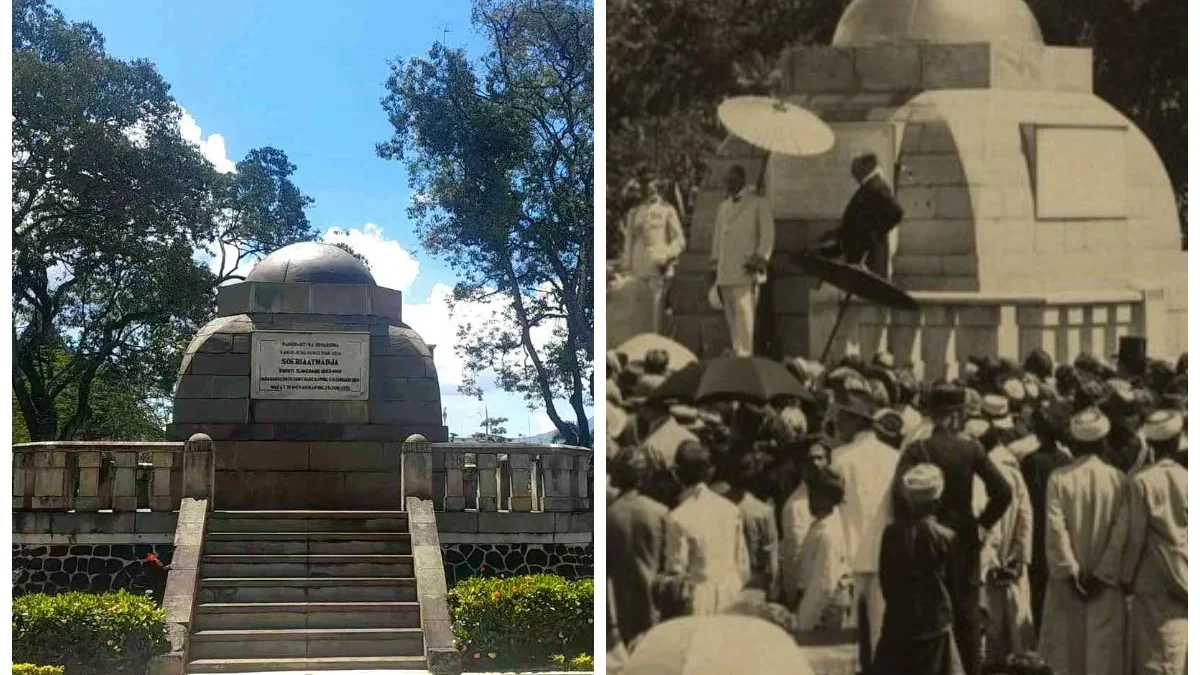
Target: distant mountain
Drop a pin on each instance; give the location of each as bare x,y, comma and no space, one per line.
548,437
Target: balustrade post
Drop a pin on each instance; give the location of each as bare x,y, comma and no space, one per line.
51,486
24,480
417,455
125,482
160,482
582,483
454,500
88,497
198,467
556,481
486,463
521,500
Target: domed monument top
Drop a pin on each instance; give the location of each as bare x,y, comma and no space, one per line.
312,262
868,22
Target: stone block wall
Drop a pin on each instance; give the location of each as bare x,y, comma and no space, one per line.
58,568
463,561
213,390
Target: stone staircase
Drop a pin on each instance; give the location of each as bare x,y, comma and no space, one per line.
306,590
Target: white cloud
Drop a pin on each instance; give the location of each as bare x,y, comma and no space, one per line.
391,265
438,325
213,147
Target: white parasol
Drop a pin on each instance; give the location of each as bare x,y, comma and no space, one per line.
717,645
775,125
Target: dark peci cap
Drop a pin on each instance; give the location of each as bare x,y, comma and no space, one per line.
1040,363
946,397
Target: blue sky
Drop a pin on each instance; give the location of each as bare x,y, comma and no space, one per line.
307,77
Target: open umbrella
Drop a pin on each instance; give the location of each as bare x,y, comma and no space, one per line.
717,645
732,378
854,280
637,347
775,125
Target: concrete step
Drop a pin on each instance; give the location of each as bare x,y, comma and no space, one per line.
308,521
317,543
306,643
263,615
307,665
307,589
307,566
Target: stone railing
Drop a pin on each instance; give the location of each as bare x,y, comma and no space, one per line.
91,476
494,477
950,327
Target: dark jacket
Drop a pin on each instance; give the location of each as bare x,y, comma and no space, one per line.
637,554
960,460
871,213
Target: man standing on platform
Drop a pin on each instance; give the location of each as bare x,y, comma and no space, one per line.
871,213
743,240
653,241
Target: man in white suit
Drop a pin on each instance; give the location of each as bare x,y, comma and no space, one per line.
743,240
653,241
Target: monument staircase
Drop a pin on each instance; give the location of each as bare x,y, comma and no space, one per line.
306,590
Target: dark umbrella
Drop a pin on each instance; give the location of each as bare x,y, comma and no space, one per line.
854,280
736,378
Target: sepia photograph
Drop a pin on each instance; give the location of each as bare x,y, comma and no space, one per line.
302,337
896,313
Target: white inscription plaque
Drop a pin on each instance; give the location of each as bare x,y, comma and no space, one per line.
311,366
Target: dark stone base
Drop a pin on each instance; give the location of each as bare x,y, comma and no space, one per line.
462,561
86,567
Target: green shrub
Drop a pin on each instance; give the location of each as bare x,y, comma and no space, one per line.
90,634
522,620
30,669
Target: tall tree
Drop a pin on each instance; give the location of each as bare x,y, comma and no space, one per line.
110,207
503,151
261,210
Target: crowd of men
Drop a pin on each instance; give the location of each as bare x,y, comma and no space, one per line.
1020,518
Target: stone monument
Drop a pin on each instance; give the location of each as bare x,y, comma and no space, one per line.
1035,213
308,382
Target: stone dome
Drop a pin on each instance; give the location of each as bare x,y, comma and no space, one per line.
867,22
311,262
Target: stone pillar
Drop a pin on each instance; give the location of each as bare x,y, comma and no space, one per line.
454,499
198,467
418,468
486,462
556,477
1154,321
160,498
582,483
522,499
50,485
977,333
88,497
124,496
1038,326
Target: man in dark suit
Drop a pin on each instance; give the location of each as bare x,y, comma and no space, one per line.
872,212
638,544
961,461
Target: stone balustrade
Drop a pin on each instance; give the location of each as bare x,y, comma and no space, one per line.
90,476
950,327
488,477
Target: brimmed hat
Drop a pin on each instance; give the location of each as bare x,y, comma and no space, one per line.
1089,425
923,483
794,419
855,402
995,406
976,428
1013,388
1163,425
884,360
